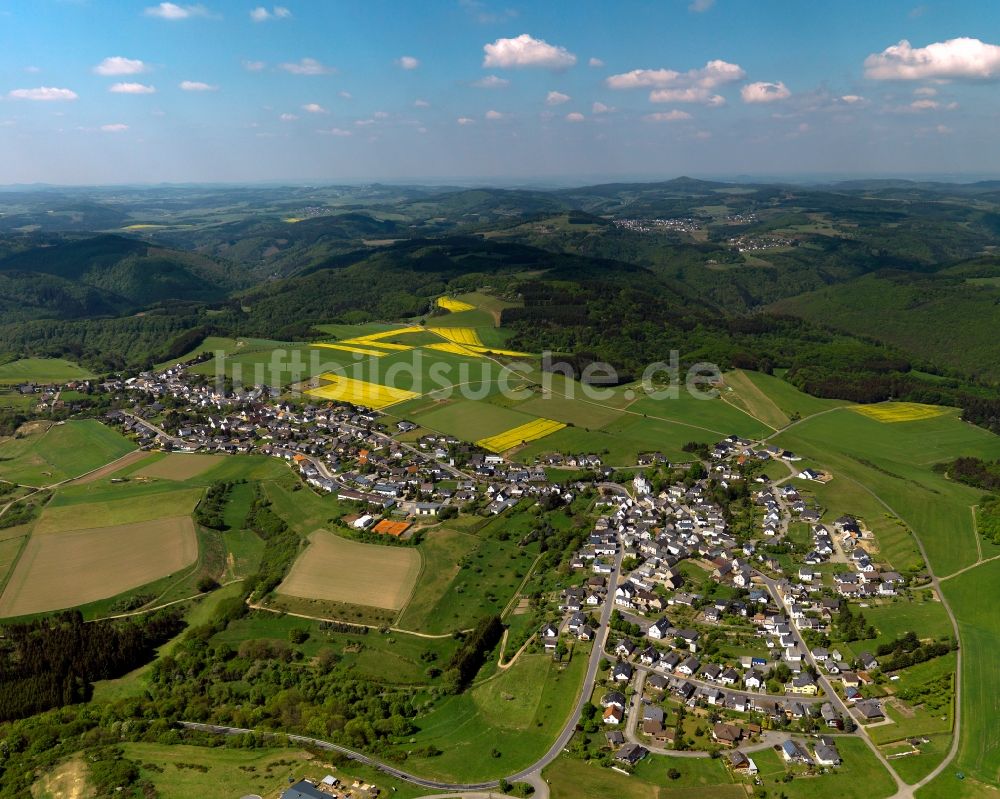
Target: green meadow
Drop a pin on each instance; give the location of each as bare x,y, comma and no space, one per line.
894,463
60,452
42,370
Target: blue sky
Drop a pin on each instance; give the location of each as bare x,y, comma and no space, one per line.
105,92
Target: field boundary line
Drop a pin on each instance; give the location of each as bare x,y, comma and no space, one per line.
400,630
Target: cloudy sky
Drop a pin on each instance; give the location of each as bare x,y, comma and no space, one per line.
114,91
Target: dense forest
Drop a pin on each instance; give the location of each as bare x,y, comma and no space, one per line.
53,661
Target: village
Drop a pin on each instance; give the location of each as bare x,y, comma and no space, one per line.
718,634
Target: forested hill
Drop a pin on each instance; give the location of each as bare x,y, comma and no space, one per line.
103,275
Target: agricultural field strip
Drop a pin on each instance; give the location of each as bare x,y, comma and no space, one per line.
890,412
453,305
96,563
335,569
458,335
359,392
346,347
539,428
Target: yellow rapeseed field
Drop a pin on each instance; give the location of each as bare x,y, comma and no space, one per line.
531,431
458,335
454,349
359,392
453,305
899,411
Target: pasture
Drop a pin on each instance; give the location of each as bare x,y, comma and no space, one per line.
517,712
470,420
334,569
48,454
179,466
464,578
570,778
42,370
894,463
84,565
970,596
77,512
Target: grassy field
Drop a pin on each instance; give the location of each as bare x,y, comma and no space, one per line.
894,462
979,627
42,370
194,772
51,454
893,619
788,399
861,776
179,466
464,579
441,552
699,779
470,420
63,514
80,566
334,569
516,714
914,767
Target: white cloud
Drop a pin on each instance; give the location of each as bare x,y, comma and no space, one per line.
346,95
116,127
261,14
132,88
764,92
526,51
465,121
197,86
575,116
421,104
491,114
595,62
173,12
314,108
381,115
557,98
601,108
254,66
671,86
692,94
32,69
944,130
491,82
306,66
408,62
955,59
43,94
364,123
336,132
118,65
700,6
852,99
703,135
924,105
668,116
288,117
925,91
